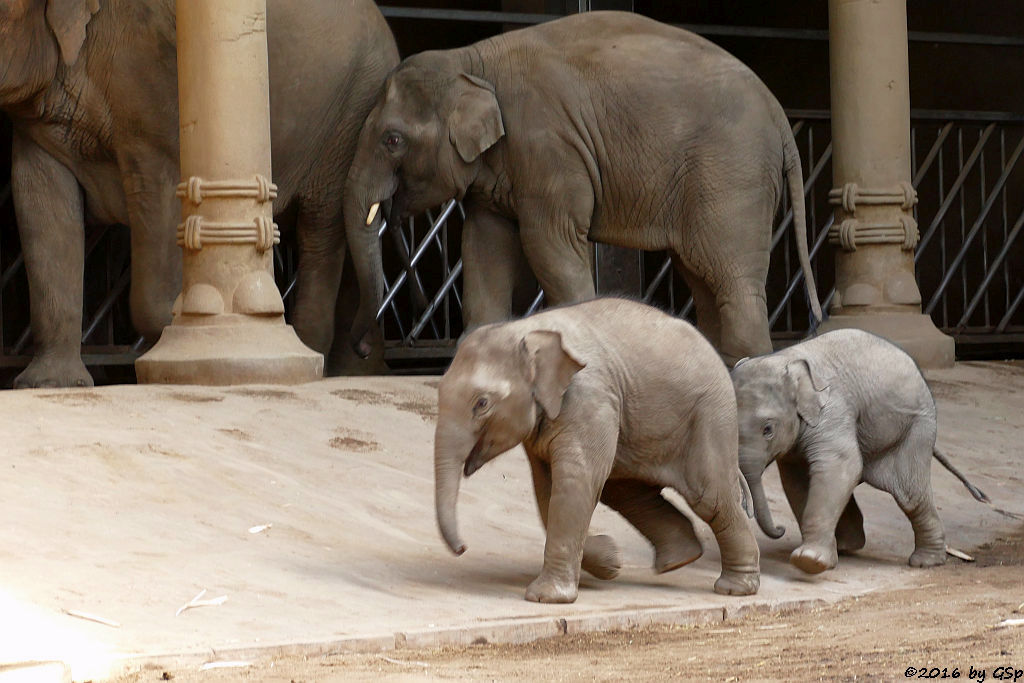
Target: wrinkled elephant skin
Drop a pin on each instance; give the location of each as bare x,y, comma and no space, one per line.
834,411
91,88
602,126
612,401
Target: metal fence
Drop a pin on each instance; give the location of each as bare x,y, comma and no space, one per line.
967,173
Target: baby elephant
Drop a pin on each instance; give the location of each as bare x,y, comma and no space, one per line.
613,401
834,411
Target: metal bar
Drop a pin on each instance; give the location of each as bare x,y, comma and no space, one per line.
799,273
972,233
108,303
12,269
429,313
1011,310
662,272
932,154
996,262
955,115
535,305
954,191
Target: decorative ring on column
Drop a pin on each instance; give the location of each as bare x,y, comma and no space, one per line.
910,232
190,236
196,232
852,233
195,189
850,195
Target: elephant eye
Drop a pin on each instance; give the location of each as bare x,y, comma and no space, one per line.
768,431
481,405
393,141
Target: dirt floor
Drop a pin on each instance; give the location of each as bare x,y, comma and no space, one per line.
945,626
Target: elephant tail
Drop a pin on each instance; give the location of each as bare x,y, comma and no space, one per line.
975,491
795,180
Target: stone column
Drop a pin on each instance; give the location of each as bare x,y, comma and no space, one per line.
228,325
874,225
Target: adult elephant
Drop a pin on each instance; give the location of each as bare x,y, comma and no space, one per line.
602,126
91,87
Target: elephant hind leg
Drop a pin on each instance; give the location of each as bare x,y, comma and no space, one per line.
669,530
708,321
850,529
908,478
710,485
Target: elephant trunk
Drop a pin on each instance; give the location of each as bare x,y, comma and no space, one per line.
761,512
451,448
362,223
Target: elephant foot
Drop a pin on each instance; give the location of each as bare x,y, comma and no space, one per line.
814,559
738,583
681,552
54,371
544,589
601,557
928,557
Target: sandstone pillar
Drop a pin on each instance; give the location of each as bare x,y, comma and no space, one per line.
228,325
874,226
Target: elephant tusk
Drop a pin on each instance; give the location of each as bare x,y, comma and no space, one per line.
373,213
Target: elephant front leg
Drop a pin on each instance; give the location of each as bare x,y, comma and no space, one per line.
795,482
581,459
153,211
556,246
48,203
491,258
669,530
600,553
832,480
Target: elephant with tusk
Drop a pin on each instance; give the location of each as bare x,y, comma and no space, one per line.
613,401
603,126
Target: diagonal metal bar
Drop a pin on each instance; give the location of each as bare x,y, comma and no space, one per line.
662,273
1011,309
402,247
978,223
992,271
536,303
108,303
932,153
438,298
953,191
11,270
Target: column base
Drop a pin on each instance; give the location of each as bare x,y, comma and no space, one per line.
239,351
915,333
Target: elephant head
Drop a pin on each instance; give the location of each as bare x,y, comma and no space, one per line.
776,399
35,36
420,146
491,400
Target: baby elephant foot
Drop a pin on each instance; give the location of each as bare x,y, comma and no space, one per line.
601,557
815,559
928,557
738,583
681,552
545,589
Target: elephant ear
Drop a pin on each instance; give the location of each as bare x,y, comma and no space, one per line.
550,369
67,20
475,123
811,391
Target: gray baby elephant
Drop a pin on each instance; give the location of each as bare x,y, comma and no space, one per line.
613,401
834,411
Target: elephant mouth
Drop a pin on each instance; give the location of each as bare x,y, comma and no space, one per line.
478,457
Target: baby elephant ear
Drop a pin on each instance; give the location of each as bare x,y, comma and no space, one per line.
550,368
811,394
475,122
67,20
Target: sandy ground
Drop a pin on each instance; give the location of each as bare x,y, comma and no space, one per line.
310,510
943,626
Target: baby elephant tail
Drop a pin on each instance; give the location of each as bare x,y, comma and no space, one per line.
975,491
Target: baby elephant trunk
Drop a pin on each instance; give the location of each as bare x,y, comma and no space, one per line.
761,512
450,453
